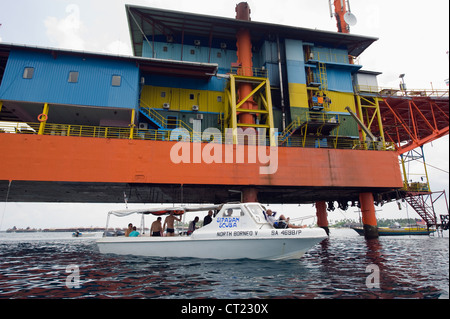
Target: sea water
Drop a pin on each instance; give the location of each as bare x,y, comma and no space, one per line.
344,266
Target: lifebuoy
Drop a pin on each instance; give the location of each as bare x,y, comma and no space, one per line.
42,117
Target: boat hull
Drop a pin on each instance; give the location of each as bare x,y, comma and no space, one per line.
397,232
252,248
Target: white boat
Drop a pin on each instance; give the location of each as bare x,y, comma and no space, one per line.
238,230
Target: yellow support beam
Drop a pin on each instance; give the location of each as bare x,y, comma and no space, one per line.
252,111
1,105
253,125
43,119
250,95
132,125
233,108
266,108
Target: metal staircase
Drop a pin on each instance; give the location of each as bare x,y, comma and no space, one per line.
160,122
289,131
425,211
423,204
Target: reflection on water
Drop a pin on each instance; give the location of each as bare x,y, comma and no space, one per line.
335,268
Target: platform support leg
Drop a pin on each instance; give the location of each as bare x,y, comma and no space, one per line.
369,218
249,195
322,216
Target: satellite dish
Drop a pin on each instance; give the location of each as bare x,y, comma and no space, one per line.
350,19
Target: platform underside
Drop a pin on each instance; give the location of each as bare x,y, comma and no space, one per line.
34,191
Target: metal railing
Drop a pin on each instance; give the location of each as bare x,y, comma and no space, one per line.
384,91
327,57
256,72
70,130
161,120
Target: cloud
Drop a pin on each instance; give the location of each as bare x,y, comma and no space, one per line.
118,47
66,32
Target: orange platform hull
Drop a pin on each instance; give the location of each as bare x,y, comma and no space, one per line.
73,159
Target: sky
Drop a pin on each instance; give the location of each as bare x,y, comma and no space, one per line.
413,40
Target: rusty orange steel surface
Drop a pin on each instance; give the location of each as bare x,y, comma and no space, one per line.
81,159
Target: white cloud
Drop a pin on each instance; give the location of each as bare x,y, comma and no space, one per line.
66,32
118,47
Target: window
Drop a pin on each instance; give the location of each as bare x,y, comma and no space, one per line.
172,122
192,52
233,212
219,98
73,76
191,96
165,49
116,79
257,212
28,73
163,94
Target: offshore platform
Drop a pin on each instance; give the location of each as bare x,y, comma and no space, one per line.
210,110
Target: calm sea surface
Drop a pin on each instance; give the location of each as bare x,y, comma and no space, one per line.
48,265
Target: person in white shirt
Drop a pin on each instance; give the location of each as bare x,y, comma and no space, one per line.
281,222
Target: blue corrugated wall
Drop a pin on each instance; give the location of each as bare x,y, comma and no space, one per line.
50,80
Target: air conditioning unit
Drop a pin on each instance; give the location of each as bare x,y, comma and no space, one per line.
223,45
194,107
166,106
197,42
143,126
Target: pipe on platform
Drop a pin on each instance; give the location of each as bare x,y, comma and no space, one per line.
280,73
244,55
369,218
322,216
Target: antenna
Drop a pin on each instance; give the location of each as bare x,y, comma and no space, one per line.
350,19
331,9
344,17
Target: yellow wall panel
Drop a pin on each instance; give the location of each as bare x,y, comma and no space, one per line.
339,101
298,95
182,99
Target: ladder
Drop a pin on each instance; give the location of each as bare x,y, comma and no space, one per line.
323,76
324,83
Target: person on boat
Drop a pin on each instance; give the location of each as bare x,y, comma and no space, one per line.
208,218
156,228
281,222
192,227
169,221
129,230
134,233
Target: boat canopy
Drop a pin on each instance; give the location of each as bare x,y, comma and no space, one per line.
158,211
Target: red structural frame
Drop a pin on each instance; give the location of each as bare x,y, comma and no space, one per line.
410,122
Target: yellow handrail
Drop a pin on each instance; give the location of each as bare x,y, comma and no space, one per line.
164,135
161,119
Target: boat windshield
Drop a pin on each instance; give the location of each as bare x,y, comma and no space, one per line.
257,213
